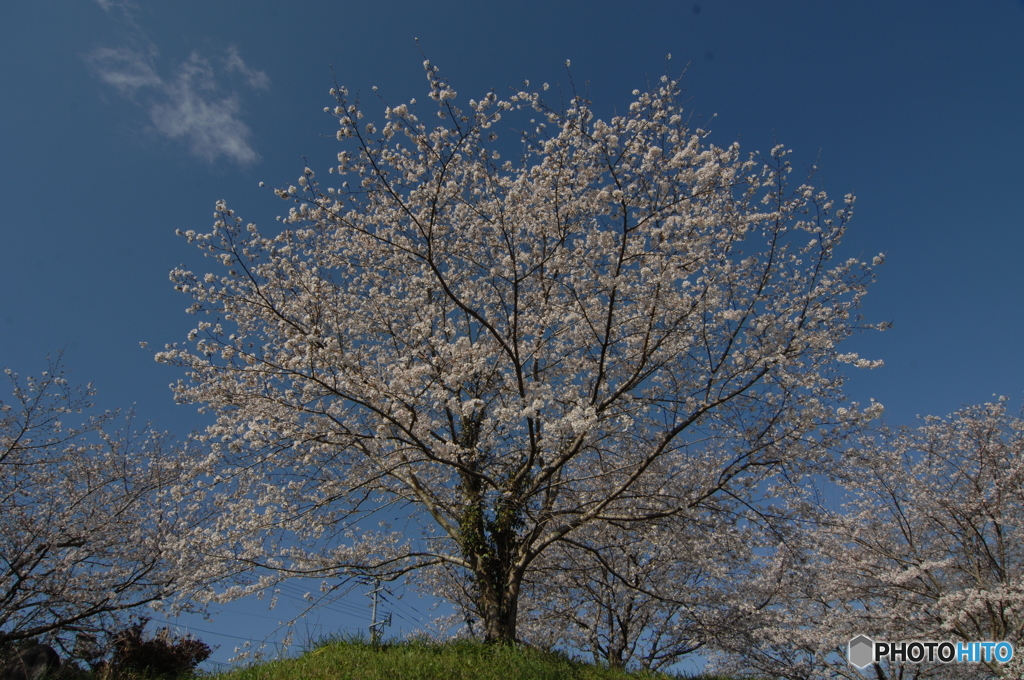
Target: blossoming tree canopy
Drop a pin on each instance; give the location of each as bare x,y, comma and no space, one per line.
507,351
927,546
84,522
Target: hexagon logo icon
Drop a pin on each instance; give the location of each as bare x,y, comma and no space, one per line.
861,651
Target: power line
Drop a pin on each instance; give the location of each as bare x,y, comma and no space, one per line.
336,606
208,632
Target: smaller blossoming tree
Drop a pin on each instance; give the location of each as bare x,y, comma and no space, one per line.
84,520
928,546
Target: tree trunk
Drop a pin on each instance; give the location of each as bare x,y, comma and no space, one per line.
499,609
491,544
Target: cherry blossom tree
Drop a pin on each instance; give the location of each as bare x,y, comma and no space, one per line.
84,519
495,354
928,546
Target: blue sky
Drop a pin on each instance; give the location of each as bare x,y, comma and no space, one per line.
123,121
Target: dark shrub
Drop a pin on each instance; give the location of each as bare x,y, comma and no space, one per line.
162,656
30,662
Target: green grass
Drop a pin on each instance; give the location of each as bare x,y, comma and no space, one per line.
423,660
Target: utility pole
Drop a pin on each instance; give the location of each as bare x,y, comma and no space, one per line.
375,625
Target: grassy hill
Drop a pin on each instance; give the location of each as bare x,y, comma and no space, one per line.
464,660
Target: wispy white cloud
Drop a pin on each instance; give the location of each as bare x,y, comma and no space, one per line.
193,110
256,79
195,104
123,5
125,68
